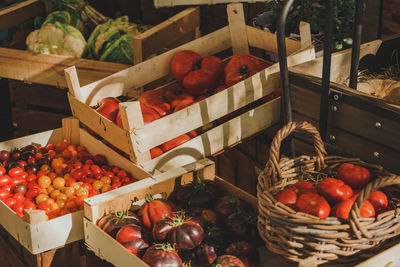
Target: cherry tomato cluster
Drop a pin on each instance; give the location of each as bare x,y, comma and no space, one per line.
334,197
55,178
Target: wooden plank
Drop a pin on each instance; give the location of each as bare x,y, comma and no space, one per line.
206,111
70,130
49,69
305,101
166,33
23,95
219,137
34,120
237,28
170,3
18,13
118,84
389,257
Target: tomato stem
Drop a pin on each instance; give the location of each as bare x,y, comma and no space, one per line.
197,66
244,70
149,198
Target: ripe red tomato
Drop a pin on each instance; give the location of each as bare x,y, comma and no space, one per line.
355,176
33,185
334,190
95,169
15,172
342,209
5,179
122,173
379,200
116,184
287,197
87,186
69,182
10,201
77,174
302,187
109,109
19,197
155,152
175,142
44,206
313,204
18,180
18,207
241,67
4,194
78,165
29,205
154,210
22,164
32,193
99,160
31,177
2,170
7,187
31,160
40,174
93,192
114,169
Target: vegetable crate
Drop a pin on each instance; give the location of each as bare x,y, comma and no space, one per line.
136,139
47,69
36,234
107,248
361,124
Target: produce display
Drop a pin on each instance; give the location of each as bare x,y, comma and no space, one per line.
197,78
334,196
193,227
55,178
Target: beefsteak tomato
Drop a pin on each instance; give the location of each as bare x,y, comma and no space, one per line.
246,252
155,100
130,237
241,67
313,204
108,107
334,190
355,176
227,205
111,223
228,261
199,193
198,75
154,210
161,255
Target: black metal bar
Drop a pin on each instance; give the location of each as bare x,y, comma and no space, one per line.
355,52
326,70
286,107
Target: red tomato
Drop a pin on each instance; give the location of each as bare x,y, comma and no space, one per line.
98,176
109,109
95,169
241,67
334,190
18,208
353,175
69,182
22,163
5,179
4,194
93,192
50,147
24,175
287,197
32,193
154,100
29,205
78,165
90,180
19,197
313,204
2,170
122,173
10,201
155,152
31,160
44,206
15,172
342,209
7,187
175,142
87,166
109,174
33,185
302,187
87,186
125,180
379,200
77,174
116,184
115,170
40,174
18,180
154,210
31,177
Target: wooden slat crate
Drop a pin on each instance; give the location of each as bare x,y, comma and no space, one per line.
48,69
136,139
359,124
19,12
107,248
390,17
43,235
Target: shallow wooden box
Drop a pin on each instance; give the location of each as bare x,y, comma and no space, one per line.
359,124
48,69
38,235
136,139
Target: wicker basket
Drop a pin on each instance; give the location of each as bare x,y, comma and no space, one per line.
296,235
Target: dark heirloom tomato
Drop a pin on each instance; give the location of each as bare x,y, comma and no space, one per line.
199,193
247,253
228,261
353,175
111,223
154,210
198,75
213,245
130,237
184,232
243,226
206,216
241,67
334,190
4,155
227,205
162,255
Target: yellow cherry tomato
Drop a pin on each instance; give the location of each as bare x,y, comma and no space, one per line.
69,191
55,193
62,196
59,182
41,198
106,188
75,186
44,181
97,184
60,203
82,192
50,189
106,180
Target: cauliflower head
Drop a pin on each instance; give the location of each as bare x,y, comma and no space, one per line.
58,39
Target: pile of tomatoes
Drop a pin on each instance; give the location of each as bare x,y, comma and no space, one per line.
193,225
55,178
197,78
334,197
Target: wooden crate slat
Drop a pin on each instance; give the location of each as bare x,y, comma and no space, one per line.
18,13
170,3
36,120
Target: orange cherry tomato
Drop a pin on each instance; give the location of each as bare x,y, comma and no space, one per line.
67,154
54,206
44,206
62,196
55,193
59,182
97,184
106,180
82,192
44,181
45,168
57,162
52,153
50,189
58,170
50,201
67,176
52,175
70,205
64,211
61,146
79,201
106,188
80,148
41,198
60,203
75,186
69,191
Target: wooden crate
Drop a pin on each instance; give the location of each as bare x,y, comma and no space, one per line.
360,124
390,17
107,248
38,235
169,3
48,69
136,139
